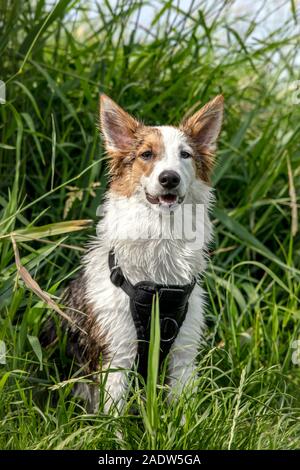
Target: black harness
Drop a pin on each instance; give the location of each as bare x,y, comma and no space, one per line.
173,305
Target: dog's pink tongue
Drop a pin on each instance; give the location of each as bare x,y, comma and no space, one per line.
168,198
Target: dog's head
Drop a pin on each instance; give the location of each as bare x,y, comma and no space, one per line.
159,163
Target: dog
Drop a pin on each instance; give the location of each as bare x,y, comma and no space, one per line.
155,172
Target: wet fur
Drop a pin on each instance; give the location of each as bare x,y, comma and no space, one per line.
96,305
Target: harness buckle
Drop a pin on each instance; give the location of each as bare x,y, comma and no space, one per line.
169,329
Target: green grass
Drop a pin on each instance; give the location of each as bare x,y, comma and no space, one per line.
52,169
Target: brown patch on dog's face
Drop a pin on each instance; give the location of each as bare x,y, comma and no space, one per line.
127,142
202,130
146,149
203,160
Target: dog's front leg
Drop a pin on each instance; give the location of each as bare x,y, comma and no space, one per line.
111,382
116,382
183,354
115,330
113,386
122,354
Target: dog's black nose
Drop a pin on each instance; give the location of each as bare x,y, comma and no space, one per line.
169,179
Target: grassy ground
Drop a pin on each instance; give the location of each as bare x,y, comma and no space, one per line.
52,171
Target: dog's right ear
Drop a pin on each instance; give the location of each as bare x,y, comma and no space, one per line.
117,126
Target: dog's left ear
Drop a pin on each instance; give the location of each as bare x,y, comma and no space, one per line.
117,126
205,125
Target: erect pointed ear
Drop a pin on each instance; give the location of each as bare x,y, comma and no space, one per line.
117,126
205,125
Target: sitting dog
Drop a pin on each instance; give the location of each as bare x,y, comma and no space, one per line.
156,174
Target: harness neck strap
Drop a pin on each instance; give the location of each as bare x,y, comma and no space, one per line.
117,277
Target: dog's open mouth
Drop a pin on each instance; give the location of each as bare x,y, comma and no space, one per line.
165,199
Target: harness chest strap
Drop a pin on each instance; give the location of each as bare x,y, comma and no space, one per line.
173,305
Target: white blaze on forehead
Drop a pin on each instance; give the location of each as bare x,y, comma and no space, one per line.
174,141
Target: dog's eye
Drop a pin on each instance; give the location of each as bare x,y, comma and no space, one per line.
147,155
184,154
